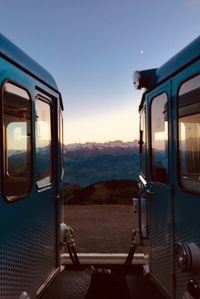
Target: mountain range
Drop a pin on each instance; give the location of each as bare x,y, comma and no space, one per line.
91,162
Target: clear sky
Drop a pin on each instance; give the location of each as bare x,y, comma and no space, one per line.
92,48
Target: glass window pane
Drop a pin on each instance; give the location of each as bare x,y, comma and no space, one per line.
159,138
17,142
189,134
43,143
61,146
143,143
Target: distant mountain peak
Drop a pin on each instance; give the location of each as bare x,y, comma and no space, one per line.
91,162
103,145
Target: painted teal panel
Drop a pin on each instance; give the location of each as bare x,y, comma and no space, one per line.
11,51
181,59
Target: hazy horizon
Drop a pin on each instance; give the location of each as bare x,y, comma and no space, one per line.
104,142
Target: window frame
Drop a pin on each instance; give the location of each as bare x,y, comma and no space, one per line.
177,132
150,132
2,147
47,100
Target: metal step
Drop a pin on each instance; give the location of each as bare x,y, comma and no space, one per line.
104,258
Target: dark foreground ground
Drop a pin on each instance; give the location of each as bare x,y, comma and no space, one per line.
101,228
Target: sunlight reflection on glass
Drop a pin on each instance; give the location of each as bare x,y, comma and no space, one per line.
159,137
189,134
17,136
43,143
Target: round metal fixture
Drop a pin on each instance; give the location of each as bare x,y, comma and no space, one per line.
24,295
181,256
188,256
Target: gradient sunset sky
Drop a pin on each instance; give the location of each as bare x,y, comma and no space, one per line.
92,47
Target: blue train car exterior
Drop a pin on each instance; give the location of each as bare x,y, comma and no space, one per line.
31,174
169,199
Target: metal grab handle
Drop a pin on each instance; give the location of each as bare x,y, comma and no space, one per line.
143,229
140,213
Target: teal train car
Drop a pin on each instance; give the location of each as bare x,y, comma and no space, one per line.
32,231
169,198
31,169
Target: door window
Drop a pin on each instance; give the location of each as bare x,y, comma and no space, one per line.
142,142
159,138
17,153
189,134
43,143
61,145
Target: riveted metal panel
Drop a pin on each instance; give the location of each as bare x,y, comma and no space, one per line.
46,250
17,264
161,246
27,252
186,232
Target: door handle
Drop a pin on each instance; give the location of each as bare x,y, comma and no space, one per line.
141,226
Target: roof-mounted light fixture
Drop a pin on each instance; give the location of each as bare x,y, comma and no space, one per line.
144,79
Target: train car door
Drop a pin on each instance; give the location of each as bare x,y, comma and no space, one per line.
187,181
45,184
158,187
